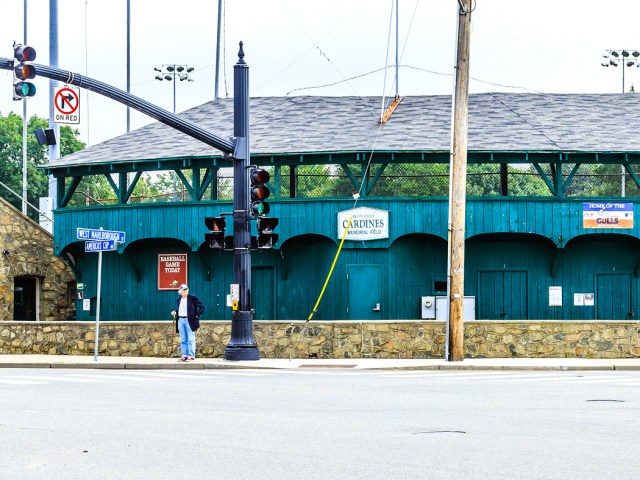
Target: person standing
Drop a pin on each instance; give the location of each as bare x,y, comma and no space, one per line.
188,309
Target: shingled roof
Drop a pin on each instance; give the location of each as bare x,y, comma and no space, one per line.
498,122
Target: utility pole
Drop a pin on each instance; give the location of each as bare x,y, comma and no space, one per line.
457,187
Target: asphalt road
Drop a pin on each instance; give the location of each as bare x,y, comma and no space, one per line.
318,424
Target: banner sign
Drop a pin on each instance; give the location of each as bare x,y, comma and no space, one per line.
366,224
607,215
172,270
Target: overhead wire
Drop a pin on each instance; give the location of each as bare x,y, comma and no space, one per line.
323,54
386,59
356,198
314,46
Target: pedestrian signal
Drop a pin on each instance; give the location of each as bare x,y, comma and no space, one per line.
215,238
266,237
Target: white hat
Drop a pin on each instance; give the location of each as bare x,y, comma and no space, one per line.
183,287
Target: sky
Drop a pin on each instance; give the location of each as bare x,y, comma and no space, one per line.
329,47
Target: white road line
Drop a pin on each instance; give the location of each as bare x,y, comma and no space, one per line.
54,378
479,376
115,377
158,375
20,382
598,379
195,375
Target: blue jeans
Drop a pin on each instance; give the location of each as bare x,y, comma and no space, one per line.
187,338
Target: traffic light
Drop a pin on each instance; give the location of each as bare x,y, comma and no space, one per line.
216,225
22,71
259,192
266,237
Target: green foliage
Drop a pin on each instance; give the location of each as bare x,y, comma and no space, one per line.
11,158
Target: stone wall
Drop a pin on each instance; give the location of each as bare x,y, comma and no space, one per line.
26,249
419,339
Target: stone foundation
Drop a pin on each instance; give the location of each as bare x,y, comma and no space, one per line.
419,339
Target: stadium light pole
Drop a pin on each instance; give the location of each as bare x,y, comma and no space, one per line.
624,58
172,73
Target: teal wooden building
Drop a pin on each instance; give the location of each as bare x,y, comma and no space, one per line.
551,230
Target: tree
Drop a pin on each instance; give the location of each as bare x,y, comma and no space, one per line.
11,158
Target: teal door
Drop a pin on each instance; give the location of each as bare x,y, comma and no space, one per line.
613,296
502,295
262,297
364,292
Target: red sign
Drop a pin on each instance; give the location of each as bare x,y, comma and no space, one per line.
172,270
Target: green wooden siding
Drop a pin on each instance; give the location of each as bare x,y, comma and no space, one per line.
515,250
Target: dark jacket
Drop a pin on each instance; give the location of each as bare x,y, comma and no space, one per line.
195,308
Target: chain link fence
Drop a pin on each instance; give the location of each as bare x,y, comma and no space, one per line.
392,180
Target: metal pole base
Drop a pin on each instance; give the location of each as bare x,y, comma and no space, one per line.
241,346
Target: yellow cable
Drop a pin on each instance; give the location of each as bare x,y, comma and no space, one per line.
315,308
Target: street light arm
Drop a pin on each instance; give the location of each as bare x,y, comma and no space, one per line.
132,101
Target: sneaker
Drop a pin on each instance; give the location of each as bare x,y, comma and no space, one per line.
189,359
183,359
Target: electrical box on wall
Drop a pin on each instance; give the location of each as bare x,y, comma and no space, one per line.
469,305
428,307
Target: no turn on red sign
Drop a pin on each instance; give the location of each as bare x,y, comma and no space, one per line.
66,105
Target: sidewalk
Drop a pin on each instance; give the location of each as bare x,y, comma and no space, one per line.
146,363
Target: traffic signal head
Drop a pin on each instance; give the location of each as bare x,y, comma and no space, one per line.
215,237
23,53
23,71
266,237
23,90
259,192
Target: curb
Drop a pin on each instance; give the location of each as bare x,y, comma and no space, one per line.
208,366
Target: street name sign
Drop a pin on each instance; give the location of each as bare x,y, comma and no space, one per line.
99,245
94,234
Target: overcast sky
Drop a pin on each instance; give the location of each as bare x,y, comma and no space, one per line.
292,46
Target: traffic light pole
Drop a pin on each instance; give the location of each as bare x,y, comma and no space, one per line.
241,345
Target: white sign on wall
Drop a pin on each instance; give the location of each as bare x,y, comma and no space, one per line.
555,296
366,224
